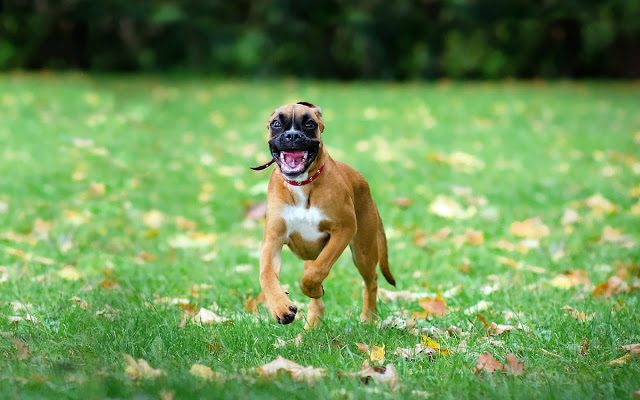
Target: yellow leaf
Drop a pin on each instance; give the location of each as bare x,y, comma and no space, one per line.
69,273
376,354
532,228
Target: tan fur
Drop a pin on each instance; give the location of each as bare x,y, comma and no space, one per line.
352,219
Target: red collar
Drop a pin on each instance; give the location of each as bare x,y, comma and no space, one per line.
308,180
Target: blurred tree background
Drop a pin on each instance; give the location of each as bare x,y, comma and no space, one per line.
338,39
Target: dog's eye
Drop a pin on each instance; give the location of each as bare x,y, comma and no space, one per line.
275,124
310,124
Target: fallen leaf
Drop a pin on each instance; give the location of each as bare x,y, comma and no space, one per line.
600,205
251,303
569,279
621,360
363,348
447,207
153,219
532,228
612,235
499,329
569,217
613,286
69,273
255,212
480,306
403,202
22,349
140,369
81,303
486,362
4,274
434,307
204,372
419,349
395,295
580,316
387,375
376,354
459,161
296,371
432,344
471,237
632,348
513,366
97,189
205,316
584,347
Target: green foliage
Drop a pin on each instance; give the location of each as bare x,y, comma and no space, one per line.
405,39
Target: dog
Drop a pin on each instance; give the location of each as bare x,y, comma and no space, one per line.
317,207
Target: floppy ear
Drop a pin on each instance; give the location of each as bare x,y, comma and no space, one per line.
315,109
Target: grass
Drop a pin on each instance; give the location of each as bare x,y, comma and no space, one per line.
85,158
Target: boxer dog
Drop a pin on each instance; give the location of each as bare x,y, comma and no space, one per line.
317,207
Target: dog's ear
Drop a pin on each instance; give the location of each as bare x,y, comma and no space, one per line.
316,110
312,106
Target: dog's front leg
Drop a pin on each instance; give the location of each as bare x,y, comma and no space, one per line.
316,271
281,308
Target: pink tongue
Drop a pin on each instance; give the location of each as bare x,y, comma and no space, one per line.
293,158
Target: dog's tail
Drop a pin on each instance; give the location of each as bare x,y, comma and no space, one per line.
383,254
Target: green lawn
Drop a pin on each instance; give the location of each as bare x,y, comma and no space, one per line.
130,192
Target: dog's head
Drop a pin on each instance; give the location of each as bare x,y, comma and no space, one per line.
294,137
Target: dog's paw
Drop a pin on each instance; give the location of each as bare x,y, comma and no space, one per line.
313,291
284,311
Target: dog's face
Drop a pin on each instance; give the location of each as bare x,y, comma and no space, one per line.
294,137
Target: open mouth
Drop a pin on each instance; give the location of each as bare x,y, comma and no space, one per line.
293,162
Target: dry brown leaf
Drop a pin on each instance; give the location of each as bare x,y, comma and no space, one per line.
621,360
296,371
600,205
580,316
570,279
532,228
419,349
403,202
434,307
387,375
486,362
613,286
499,329
569,217
636,394
205,316
513,366
632,348
363,348
255,212
97,189
22,349
140,369
251,303
81,303
584,347
612,235
206,373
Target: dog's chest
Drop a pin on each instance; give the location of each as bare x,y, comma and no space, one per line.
302,219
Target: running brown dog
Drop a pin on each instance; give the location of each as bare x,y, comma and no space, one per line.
317,207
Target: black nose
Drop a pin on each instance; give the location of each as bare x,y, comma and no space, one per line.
292,136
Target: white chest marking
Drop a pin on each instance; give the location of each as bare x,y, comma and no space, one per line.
299,218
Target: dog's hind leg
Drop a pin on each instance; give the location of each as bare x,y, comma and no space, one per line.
366,262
